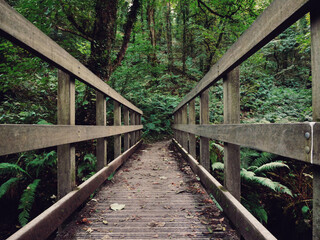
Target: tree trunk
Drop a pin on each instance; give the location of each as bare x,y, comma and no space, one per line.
151,26
184,38
169,37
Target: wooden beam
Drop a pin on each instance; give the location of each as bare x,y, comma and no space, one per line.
101,120
204,141
249,227
231,114
286,140
184,120
192,137
16,138
20,31
117,122
137,132
126,143
48,221
66,173
315,65
132,122
280,15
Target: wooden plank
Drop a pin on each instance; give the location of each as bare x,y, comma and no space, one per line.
16,138
315,66
126,143
192,120
184,120
231,114
117,122
66,173
204,141
249,227
19,30
280,15
47,222
101,120
132,122
286,140
137,132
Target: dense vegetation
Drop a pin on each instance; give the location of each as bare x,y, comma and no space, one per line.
153,53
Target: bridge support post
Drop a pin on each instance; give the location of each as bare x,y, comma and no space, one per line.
137,123
66,116
184,120
133,122
192,120
101,120
126,140
231,103
117,122
204,119
315,63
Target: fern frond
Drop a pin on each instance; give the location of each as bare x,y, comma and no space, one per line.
218,146
252,168
264,158
6,186
217,166
247,156
26,202
11,169
38,162
270,167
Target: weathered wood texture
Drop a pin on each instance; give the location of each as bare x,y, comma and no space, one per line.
315,61
192,120
137,132
184,120
66,153
249,227
117,122
101,120
19,30
132,122
287,140
231,115
277,17
204,141
47,222
19,138
126,139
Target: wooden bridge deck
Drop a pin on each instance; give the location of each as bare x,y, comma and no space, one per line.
163,200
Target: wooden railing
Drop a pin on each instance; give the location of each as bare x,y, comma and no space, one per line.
18,138
298,141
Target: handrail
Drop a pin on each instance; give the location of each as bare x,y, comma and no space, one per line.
298,141
15,138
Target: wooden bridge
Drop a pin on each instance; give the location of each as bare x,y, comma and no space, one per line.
299,141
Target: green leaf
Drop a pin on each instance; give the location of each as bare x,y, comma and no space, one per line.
6,186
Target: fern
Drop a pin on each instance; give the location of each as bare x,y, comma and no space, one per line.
39,162
264,158
6,186
270,167
217,166
11,169
248,155
26,202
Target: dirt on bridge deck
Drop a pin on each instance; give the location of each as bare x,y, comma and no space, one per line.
162,199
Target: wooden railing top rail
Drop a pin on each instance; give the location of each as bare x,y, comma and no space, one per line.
277,17
20,31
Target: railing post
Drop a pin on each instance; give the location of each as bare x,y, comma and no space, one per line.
66,116
101,120
184,120
231,103
192,120
204,119
137,123
126,143
175,122
140,122
315,65
117,122
133,122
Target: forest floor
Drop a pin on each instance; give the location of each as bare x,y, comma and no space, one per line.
157,196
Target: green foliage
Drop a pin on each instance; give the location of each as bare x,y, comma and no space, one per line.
7,185
26,202
87,167
37,163
11,169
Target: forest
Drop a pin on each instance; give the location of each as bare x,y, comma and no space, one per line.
153,52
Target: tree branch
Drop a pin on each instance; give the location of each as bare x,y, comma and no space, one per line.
211,11
74,33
